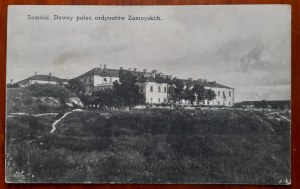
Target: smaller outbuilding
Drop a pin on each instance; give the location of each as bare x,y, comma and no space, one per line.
41,79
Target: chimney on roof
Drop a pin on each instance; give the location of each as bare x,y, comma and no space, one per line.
104,66
35,73
100,66
134,69
144,70
190,79
11,81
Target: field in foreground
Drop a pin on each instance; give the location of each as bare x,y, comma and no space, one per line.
150,146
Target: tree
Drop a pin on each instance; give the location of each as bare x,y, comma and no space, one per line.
177,92
104,97
77,87
198,91
9,85
209,94
127,92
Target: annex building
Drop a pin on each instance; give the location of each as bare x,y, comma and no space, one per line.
41,79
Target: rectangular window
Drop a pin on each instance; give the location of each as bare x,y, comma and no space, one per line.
165,100
218,102
219,93
90,79
165,89
158,99
84,79
151,90
159,90
229,95
141,88
110,80
151,100
229,103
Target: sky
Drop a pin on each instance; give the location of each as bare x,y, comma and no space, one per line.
247,47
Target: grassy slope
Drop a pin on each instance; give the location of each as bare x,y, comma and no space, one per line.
29,99
186,146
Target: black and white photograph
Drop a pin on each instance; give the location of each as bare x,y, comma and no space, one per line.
193,94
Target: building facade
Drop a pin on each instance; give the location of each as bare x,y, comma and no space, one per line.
224,94
99,79
155,92
154,85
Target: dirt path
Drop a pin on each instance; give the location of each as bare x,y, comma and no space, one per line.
67,113
270,115
24,114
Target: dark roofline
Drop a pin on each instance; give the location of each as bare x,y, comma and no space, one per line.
42,78
108,72
205,84
115,73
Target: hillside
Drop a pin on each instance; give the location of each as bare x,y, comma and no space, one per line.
40,99
150,146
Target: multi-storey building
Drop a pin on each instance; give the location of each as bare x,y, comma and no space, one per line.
155,86
99,79
224,94
156,89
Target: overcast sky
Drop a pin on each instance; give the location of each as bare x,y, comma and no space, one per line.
244,47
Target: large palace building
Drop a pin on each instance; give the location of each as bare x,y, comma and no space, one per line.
154,85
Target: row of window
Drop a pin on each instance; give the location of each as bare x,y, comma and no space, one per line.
219,93
219,103
159,100
85,79
104,79
158,89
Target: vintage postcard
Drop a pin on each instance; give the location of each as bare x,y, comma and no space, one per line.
149,94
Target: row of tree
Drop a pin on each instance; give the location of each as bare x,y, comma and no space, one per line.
123,94
127,93
194,93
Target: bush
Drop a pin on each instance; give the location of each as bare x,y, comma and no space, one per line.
42,90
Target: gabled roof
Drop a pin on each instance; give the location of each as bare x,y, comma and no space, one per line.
109,72
42,78
156,79
115,73
102,72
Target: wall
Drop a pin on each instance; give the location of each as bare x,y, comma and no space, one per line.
221,100
101,81
41,82
155,97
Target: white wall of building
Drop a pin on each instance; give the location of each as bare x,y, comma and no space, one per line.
101,80
224,97
42,82
97,82
155,93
